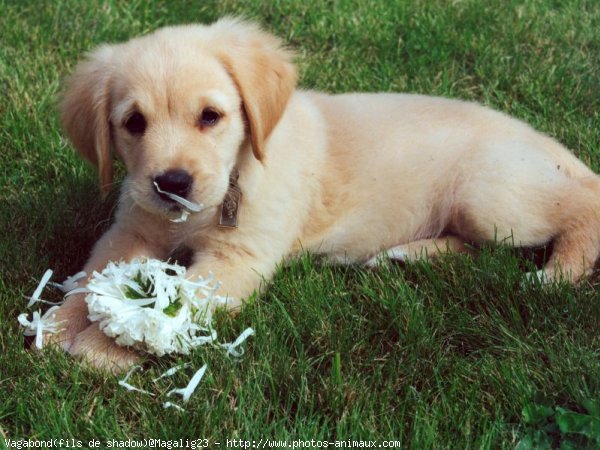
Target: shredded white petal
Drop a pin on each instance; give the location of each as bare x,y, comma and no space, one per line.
79,290
194,207
130,387
38,324
172,405
70,283
231,348
172,371
46,302
183,218
38,291
187,391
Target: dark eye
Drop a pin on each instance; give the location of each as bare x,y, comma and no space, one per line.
136,123
209,117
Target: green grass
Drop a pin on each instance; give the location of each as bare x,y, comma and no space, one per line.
442,355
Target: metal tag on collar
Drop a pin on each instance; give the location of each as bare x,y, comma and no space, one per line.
231,204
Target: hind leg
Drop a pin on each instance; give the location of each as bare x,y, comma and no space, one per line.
530,192
577,246
574,256
421,249
566,211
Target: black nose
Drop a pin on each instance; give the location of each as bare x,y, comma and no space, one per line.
175,181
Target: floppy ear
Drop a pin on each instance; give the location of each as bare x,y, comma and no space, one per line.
264,74
84,111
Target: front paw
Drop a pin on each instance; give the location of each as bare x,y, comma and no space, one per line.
100,351
70,319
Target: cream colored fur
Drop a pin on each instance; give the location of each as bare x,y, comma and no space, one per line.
346,176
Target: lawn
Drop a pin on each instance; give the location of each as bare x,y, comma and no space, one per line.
458,353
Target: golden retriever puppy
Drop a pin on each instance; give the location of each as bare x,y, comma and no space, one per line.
206,112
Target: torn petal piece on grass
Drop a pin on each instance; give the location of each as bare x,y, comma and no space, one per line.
187,391
130,387
35,297
231,347
172,405
172,371
39,324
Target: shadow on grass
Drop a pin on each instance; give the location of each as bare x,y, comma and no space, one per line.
54,227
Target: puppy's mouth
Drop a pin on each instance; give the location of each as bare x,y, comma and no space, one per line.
183,207
183,203
177,201
173,188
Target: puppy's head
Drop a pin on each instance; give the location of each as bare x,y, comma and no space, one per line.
178,106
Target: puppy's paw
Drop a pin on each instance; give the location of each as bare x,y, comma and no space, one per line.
399,253
71,318
100,351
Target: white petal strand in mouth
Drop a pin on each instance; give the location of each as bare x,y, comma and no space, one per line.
190,206
183,217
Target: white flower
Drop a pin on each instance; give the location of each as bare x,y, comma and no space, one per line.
150,305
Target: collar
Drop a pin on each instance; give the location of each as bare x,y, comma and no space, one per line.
231,203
